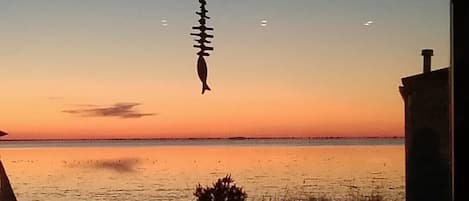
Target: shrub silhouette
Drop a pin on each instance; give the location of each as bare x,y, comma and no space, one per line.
223,190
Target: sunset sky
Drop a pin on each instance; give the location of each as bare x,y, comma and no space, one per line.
127,68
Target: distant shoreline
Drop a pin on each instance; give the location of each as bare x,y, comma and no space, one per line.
196,139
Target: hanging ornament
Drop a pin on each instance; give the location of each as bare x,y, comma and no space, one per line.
203,36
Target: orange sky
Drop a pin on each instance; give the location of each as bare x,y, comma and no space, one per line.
314,70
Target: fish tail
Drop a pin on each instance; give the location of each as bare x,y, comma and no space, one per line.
205,87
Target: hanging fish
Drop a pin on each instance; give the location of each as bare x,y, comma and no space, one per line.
202,71
201,64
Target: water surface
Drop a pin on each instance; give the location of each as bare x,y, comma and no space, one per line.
170,169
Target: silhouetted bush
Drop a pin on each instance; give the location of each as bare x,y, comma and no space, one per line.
223,190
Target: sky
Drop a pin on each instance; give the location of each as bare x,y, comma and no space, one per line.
127,69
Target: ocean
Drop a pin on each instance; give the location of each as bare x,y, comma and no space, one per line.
267,169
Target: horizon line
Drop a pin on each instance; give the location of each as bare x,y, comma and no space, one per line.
201,138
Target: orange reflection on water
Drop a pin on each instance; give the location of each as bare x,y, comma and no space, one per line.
171,172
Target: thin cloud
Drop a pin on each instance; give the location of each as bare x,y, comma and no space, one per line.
85,105
54,98
2,133
121,110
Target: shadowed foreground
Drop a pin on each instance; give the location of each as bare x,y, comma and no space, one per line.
6,192
355,195
225,189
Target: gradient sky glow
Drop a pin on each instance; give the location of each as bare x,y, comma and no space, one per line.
315,69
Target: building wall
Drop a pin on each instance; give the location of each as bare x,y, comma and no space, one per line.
427,133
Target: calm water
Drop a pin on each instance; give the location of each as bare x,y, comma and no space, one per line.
170,169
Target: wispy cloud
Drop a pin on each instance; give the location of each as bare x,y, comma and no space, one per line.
3,133
54,98
121,110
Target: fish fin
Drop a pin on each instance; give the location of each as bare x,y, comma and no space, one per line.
205,87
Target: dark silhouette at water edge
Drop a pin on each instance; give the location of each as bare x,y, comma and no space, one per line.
6,191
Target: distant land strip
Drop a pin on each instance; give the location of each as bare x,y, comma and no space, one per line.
209,138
